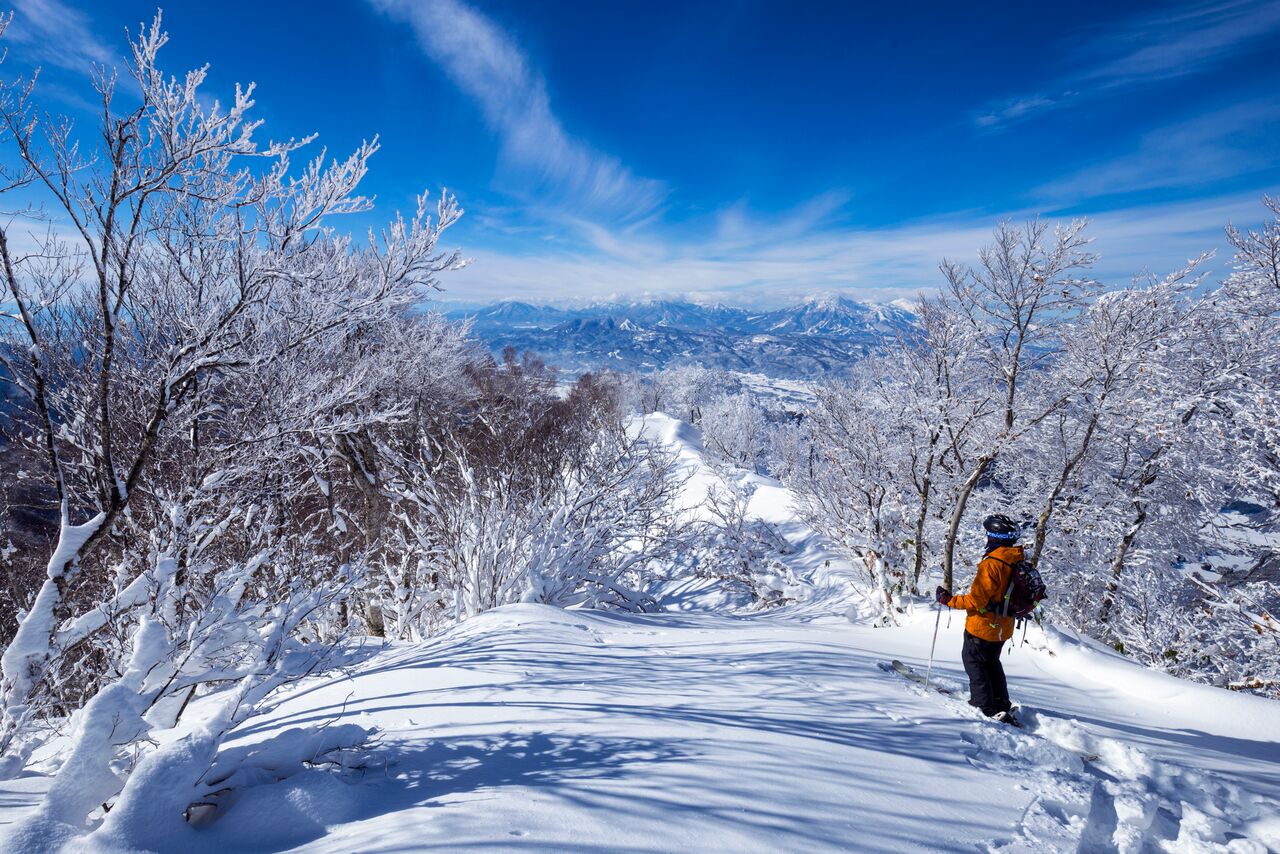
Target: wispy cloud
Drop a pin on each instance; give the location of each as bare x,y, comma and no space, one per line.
49,32
611,233
738,227
540,155
877,264
1168,43
1177,41
1195,152
1012,109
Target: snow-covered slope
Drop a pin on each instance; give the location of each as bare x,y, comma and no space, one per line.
535,729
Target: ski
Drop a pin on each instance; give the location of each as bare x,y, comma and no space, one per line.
903,670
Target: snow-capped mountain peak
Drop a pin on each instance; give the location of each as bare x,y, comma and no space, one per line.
822,333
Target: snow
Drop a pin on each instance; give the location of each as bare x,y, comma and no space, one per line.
540,729
708,729
113,716
28,650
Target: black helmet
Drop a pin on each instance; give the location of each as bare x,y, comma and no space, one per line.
1000,527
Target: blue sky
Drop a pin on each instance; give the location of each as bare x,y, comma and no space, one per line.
744,150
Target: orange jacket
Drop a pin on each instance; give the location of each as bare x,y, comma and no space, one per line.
986,595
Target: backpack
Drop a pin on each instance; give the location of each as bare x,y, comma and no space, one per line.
1026,590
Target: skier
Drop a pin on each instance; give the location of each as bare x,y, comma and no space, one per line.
985,629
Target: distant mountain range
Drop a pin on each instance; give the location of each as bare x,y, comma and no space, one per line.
802,341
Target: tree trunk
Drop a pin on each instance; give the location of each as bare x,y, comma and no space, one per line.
949,548
1117,564
1042,523
925,490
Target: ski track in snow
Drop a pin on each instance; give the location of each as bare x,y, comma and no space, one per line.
1094,793
535,729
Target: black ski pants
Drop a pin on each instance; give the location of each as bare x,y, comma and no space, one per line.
988,689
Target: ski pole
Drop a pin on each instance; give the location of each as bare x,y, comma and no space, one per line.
932,646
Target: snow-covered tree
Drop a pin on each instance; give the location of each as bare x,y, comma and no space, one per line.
1130,430
1027,286
200,265
1251,304
681,391
604,537
741,550
735,429
856,497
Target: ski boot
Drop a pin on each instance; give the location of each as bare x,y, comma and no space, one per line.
1008,718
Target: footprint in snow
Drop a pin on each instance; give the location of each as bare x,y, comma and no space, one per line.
1007,747
1125,801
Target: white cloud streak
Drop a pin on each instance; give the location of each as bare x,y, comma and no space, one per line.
49,32
875,264
541,159
1012,109
1179,41
610,235
1196,152
1169,43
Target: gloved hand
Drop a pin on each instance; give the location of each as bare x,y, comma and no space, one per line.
943,595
